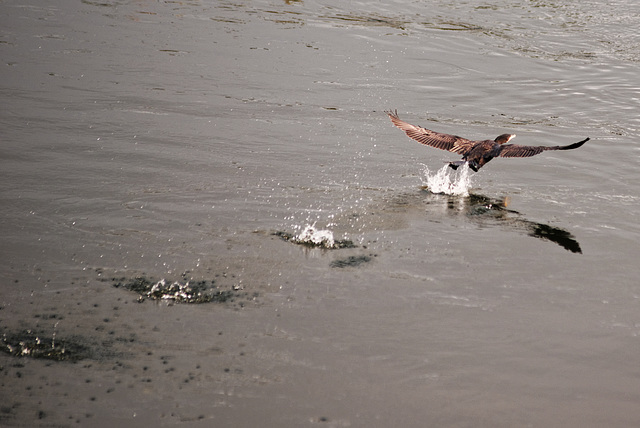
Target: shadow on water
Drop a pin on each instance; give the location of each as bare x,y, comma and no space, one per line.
488,212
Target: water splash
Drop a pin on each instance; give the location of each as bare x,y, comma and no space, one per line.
315,237
448,181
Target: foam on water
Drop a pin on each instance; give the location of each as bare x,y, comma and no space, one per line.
448,181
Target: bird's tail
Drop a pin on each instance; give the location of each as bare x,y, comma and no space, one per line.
574,145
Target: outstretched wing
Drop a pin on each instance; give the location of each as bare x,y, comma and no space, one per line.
517,151
452,143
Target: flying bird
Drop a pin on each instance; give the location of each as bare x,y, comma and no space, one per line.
474,153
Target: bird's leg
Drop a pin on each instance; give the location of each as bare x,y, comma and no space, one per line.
455,165
474,166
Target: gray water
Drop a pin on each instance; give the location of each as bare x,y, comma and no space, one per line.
173,139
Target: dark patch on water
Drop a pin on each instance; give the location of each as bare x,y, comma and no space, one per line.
337,244
41,345
181,291
352,261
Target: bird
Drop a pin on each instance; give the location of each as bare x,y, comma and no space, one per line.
474,153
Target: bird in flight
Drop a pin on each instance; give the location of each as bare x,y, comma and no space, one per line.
475,153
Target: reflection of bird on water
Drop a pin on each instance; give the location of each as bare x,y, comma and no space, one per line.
482,207
475,153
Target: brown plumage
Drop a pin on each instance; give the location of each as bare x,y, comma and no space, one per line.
475,153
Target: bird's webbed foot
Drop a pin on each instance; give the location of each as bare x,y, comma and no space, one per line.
454,165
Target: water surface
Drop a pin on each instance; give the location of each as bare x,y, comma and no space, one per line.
182,140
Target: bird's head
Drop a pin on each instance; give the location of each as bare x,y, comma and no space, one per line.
504,138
